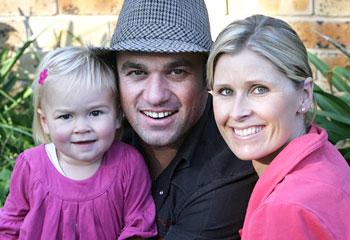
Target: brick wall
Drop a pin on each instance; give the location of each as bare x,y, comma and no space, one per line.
329,17
66,22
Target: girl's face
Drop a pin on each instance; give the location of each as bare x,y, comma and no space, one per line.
81,125
257,108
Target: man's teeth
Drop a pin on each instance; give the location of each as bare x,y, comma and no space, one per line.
157,115
247,131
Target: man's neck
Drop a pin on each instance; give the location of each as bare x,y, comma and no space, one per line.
159,158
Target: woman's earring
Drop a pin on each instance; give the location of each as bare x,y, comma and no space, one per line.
303,109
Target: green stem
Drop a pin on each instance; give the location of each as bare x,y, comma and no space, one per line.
22,130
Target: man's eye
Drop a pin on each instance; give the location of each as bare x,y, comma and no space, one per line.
136,73
96,113
177,71
64,116
259,90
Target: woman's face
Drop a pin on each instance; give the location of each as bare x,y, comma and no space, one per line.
257,108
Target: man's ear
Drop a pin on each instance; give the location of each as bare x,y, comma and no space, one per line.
43,121
118,122
307,95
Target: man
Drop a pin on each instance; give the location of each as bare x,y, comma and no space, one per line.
200,188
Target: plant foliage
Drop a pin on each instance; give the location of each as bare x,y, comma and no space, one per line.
15,112
333,107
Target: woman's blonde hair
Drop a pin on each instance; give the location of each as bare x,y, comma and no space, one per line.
269,37
73,69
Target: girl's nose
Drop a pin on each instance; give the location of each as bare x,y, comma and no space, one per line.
82,125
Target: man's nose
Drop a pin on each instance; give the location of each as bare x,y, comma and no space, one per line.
157,90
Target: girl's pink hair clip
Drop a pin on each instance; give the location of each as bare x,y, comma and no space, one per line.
43,76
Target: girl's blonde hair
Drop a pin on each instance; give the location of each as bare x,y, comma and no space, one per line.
269,37
73,69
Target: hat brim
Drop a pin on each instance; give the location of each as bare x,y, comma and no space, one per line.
106,54
157,46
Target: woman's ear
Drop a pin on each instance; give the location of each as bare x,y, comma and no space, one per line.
307,95
43,121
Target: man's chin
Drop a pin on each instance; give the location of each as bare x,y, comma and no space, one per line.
164,140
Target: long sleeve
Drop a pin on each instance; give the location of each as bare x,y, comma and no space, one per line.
16,206
212,212
275,221
139,208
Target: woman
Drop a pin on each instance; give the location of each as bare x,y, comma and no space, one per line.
262,89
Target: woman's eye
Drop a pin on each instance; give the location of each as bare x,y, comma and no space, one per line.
225,92
96,113
258,90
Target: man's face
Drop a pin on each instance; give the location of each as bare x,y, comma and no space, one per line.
162,95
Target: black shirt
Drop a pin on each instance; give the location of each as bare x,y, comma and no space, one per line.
204,192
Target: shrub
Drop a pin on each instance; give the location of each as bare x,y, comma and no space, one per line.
15,112
333,106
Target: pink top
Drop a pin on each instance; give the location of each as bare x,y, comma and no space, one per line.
115,203
303,194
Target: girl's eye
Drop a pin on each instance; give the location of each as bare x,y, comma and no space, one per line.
225,92
65,116
259,90
96,113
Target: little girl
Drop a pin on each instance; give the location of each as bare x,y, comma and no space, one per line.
80,183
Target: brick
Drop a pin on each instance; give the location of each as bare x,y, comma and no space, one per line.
286,7
13,7
340,31
270,7
333,58
334,8
43,7
89,6
12,33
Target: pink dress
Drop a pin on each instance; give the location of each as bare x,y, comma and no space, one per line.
115,203
303,194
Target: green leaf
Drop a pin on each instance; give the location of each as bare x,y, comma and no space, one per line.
22,130
339,128
336,131
3,55
329,102
4,174
335,44
339,82
12,61
346,153
319,64
345,97
344,72
335,116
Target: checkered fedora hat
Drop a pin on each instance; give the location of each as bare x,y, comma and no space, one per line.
162,26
